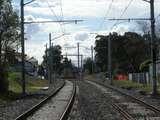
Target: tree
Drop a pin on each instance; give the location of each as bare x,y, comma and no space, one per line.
56,58
88,65
128,52
9,35
67,68
41,71
9,28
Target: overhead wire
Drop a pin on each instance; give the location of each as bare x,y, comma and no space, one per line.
54,14
63,25
130,2
61,7
123,12
107,12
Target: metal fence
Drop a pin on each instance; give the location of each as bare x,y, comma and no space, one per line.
139,78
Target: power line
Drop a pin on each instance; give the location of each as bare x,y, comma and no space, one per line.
124,11
62,14
107,12
54,15
126,8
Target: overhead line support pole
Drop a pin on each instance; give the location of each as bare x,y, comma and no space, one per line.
78,60
153,48
50,61
23,49
92,59
109,60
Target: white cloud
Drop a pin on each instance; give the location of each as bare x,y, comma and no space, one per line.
81,36
39,11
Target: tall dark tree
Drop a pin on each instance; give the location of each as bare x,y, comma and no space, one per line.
9,35
88,65
55,57
9,28
41,71
128,52
67,68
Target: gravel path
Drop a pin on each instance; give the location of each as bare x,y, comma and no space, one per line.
11,109
93,105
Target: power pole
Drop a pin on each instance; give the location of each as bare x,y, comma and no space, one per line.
78,59
81,62
153,48
109,60
92,59
50,61
81,72
53,68
47,64
23,49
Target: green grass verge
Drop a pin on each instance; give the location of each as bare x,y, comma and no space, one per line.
129,84
32,83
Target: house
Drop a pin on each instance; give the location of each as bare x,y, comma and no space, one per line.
31,65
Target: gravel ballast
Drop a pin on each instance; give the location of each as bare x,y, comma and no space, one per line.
93,104
12,109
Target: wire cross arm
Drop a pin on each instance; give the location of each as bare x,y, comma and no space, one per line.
29,2
54,21
147,1
130,19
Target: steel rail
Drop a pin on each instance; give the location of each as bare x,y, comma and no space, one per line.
150,107
67,111
125,114
32,110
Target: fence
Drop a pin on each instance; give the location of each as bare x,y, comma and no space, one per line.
139,78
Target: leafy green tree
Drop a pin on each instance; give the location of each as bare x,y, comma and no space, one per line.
9,35
128,51
41,71
9,28
88,65
67,68
55,58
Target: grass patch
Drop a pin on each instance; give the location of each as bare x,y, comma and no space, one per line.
129,84
33,84
14,86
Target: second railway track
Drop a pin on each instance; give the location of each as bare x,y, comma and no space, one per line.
130,107
55,107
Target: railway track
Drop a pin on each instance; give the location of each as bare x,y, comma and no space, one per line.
130,107
63,116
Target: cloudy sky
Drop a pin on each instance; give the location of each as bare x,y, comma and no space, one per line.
94,13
